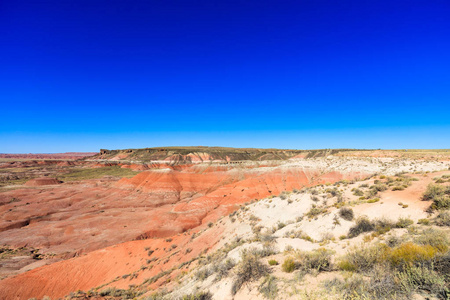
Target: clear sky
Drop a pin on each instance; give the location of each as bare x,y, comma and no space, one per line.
81,75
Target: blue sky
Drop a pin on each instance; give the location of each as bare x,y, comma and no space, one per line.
84,75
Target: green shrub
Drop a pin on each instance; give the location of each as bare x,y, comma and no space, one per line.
421,277
273,262
288,265
383,225
433,238
249,269
403,222
398,188
269,288
379,187
441,202
423,221
442,263
315,198
267,249
319,260
439,194
356,287
393,241
396,273
364,258
373,200
358,192
280,225
346,213
443,219
222,269
383,283
432,191
203,273
315,211
408,254
198,296
363,224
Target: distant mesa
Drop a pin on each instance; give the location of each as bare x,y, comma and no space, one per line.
66,155
42,181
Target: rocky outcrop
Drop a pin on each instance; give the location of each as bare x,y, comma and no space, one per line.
42,181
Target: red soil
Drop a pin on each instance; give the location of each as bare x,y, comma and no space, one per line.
103,266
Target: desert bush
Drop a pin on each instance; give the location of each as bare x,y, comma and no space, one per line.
439,194
443,219
398,188
315,211
358,192
364,258
371,193
420,277
346,213
383,284
379,187
198,296
125,294
319,260
267,250
432,191
222,269
288,265
442,263
203,273
403,222
423,221
363,224
269,288
433,238
280,225
265,237
273,262
333,192
373,200
408,254
395,273
356,287
293,234
393,241
249,269
441,202
315,198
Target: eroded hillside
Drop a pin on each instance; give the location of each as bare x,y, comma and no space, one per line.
154,223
